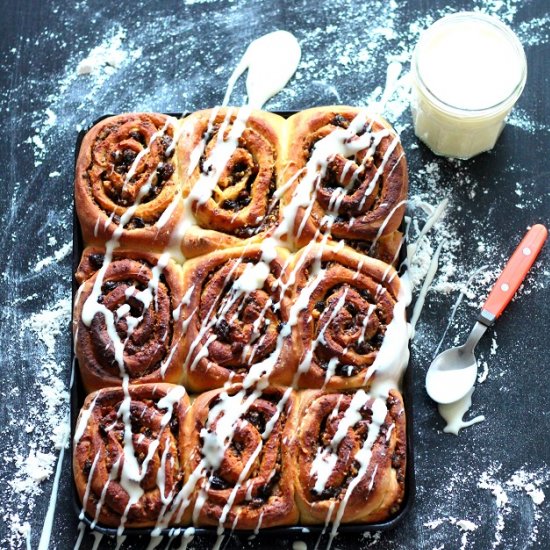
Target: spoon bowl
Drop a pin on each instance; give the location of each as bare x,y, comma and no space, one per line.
451,375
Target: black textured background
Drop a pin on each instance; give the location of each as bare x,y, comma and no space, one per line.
188,54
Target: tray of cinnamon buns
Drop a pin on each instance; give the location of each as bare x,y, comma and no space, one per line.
239,323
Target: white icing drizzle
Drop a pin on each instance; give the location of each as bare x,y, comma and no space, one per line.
132,472
154,542
113,474
456,304
253,277
96,227
46,534
453,413
81,532
363,457
187,537
271,61
264,80
258,527
433,218
392,81
322,467
88,487
419,304
83,419
306,362
142,153
391,427
98,537
185,301
326,459
385,223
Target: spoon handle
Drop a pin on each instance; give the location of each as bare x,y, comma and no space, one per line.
513,274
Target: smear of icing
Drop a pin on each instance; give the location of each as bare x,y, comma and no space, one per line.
453,414
271,61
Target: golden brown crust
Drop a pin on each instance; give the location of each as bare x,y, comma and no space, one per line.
341,327
153,351
103,192
255,469
242,207
157,427
362,212
378,484
387,248
231,329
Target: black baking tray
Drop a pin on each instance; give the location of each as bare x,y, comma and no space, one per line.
78,395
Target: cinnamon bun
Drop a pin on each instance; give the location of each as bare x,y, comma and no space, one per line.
343,305
351,168
234,312
230,161
127,183
240,440
349,457
128,460
125,318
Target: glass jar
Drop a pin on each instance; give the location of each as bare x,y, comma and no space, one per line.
468,70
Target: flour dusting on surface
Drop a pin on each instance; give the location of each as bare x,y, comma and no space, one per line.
513,495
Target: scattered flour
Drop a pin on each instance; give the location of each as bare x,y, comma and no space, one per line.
106,58
508,501
482,376
465,527
45,419
57,256
372,539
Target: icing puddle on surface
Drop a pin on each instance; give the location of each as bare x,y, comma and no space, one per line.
93,76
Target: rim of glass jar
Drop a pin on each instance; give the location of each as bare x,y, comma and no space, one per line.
462,111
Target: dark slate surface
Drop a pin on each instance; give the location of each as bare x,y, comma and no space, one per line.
188,51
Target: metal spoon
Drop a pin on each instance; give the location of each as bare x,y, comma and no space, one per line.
453,372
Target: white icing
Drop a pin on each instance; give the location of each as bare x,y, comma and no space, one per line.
393,355
142,153
188,535
363,457
271,61
185,301
264,79
469,63
322,467
253,277
419,304
83,419
469,69
326,459
453,414
449,383
45,536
